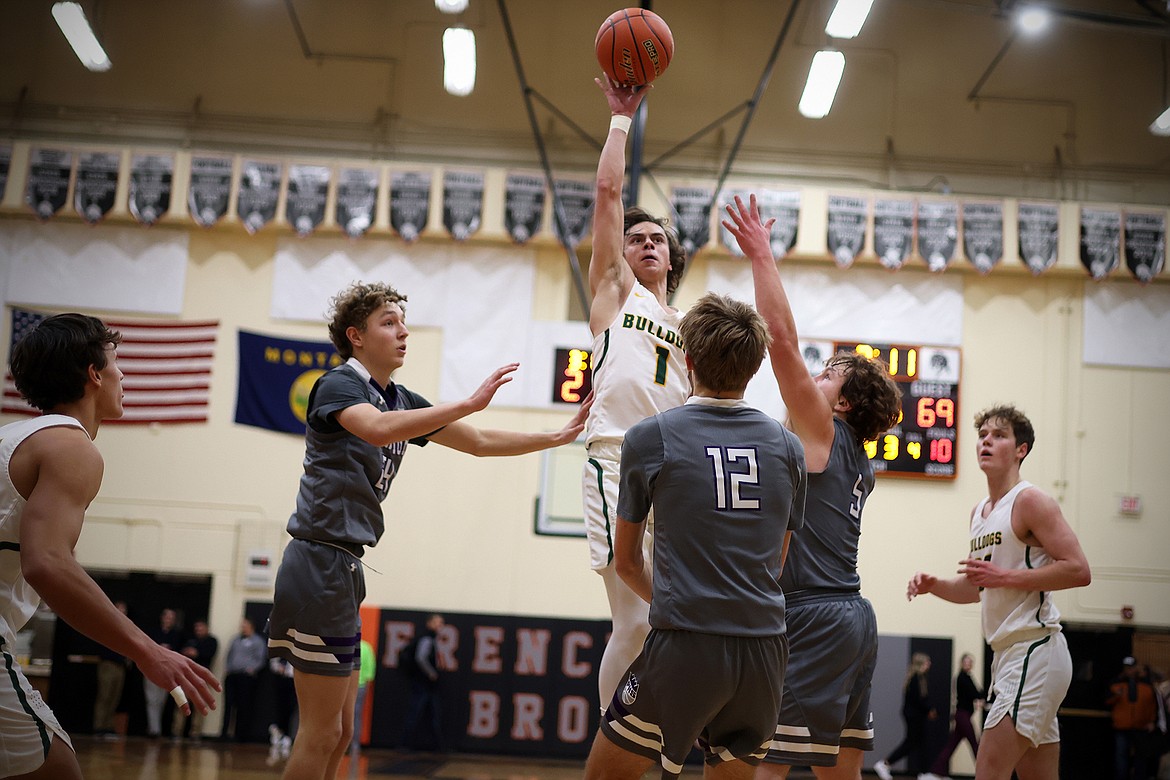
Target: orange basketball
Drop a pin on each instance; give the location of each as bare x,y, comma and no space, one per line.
634,46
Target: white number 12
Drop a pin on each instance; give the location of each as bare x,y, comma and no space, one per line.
727,491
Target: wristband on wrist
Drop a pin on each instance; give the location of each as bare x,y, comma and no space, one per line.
619,122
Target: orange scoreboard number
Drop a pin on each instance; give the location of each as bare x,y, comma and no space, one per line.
572,376
922,443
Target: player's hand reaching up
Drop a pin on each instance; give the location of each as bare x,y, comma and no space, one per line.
622,100
753,235
483,396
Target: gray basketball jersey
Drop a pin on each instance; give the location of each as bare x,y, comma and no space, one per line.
346,478
823,554
726,482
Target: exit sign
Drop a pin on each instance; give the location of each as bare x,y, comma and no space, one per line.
1130,505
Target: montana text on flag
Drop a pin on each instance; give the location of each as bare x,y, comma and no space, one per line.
276,376
166,363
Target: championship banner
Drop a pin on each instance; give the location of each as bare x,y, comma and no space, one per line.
1039,228
983,234
257,194
727,198
572,209
304,205
1145,244
209,189
523,205
462,203
785,207
96,185
938,233
893,231
692,208
48,181
275,378
846,228
357,196
166,366
151,177
5,161
1100,245
410,203
507,684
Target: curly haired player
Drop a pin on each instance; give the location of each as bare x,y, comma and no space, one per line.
825,720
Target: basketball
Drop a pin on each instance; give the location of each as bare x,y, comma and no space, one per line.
634,46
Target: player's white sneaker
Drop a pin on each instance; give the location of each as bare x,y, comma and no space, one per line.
931,776
883,770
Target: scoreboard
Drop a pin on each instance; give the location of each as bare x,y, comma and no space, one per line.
923,442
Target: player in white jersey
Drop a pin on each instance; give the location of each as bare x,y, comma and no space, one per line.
1021,549
637,360
66,367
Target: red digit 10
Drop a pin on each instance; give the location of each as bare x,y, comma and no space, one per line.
941,450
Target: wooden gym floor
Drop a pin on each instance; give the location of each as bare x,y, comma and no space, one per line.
138,758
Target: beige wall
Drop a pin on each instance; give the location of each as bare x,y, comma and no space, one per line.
198,498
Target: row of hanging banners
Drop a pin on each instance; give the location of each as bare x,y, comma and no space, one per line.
902,227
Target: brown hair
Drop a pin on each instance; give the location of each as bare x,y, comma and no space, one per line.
874,399
353,306
50,364
725,340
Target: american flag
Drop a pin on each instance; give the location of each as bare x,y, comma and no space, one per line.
167,367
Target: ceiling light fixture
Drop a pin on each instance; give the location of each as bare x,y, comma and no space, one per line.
1033,19
459,61
71,19
847,18
1161,125
451,6
824,76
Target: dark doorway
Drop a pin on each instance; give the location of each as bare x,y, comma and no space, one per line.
73,680
1086,725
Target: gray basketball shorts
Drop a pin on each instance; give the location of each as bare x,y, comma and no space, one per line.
832,641
683,686
315,624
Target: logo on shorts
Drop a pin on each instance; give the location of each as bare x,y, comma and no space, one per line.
630,690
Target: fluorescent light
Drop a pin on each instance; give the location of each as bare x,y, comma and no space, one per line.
1161,125
451,6
459,61
71,19
1033,19
824,75
847,18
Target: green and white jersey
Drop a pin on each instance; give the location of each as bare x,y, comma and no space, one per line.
1010,615
638,367
18,600
726,482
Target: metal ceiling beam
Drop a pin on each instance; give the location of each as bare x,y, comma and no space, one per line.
560,222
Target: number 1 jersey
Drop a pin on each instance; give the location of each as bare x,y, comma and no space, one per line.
638,367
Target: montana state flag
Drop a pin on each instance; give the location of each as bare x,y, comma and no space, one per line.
275,378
